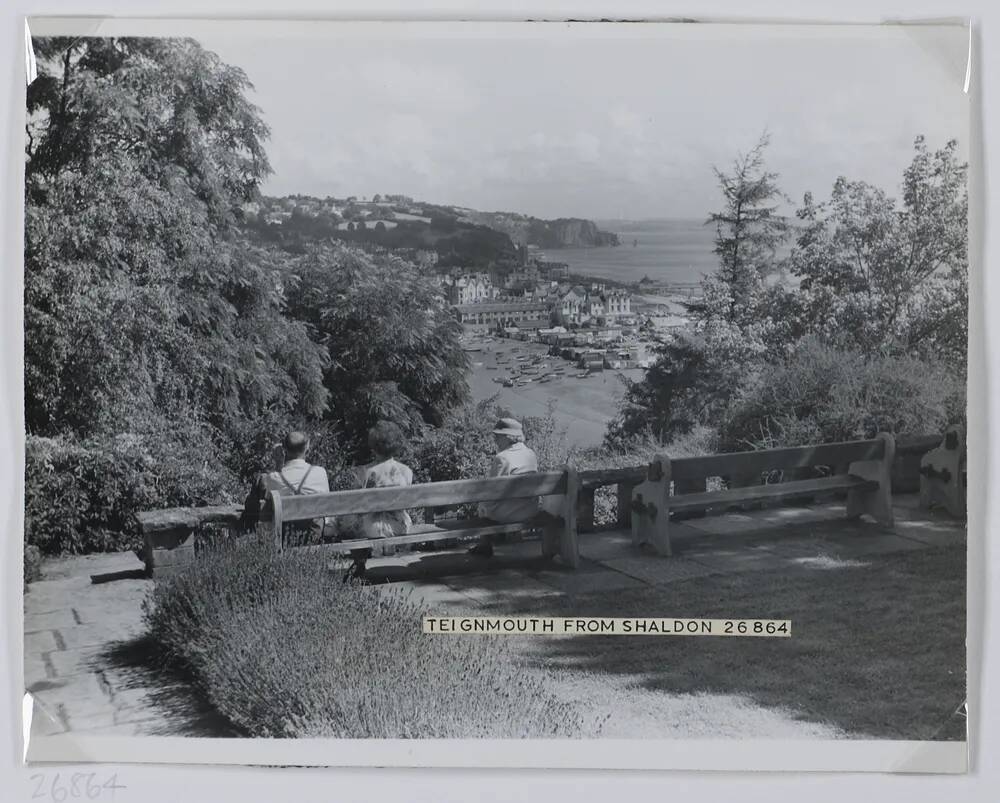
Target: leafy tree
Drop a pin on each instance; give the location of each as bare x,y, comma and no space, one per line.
393,346
687,384
888,279
739,320
146,314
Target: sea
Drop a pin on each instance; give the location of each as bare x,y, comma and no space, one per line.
674,251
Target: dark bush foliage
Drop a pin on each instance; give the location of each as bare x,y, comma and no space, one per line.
823,394
283,648
82,496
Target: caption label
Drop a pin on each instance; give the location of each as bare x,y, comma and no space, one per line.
601,626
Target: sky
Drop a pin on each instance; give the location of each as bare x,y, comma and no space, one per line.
601,122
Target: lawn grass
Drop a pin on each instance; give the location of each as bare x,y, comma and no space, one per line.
877,650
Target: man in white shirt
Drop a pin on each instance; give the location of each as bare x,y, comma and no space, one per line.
293,477
296,477
513,457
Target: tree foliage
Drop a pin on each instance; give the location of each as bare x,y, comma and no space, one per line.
888,278
392,345
883,283
749,230
150,315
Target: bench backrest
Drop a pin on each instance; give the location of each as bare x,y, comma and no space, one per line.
431,494
757,462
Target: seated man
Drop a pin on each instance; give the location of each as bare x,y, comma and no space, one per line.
513,457
293,477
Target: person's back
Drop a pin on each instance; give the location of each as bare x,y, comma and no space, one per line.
517,458
297,477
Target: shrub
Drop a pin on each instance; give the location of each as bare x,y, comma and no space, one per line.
82,496
283,648
822,394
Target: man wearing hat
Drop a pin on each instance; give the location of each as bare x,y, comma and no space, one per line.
513,457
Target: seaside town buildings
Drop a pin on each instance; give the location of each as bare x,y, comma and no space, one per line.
526,300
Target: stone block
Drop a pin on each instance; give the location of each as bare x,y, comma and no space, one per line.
656,570
35,670
53,620
75,662
40,641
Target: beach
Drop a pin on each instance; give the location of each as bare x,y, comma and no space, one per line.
583,407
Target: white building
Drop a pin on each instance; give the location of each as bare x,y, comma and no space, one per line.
472,288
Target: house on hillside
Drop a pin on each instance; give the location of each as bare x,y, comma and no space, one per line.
472,288
572,306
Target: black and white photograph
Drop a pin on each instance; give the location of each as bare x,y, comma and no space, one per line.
503,385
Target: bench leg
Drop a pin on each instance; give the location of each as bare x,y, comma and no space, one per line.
651,514
551,534
876,503
569,549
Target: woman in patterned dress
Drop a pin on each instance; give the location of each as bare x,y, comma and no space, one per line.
386,441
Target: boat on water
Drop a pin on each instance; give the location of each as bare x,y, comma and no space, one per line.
583,375
508,383
472,348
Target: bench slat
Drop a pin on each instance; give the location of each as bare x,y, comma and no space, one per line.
460,529
782,490
757,462
193,517
434,494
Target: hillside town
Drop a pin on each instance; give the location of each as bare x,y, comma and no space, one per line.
589,322
515,291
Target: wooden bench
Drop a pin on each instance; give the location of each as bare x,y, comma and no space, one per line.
861,469
558,489
943,474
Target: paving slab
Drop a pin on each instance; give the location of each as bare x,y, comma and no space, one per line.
94,635
41,641
36,669
438,597
75,662
740,560
609,544
82,566
932,533
54,620
658,570
495,588
599,581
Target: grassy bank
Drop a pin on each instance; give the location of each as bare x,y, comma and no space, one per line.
877,649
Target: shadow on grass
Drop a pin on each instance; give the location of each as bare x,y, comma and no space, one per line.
877,649
171,692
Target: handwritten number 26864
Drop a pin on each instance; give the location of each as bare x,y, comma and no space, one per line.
76,786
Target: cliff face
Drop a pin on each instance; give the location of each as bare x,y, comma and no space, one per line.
568,233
